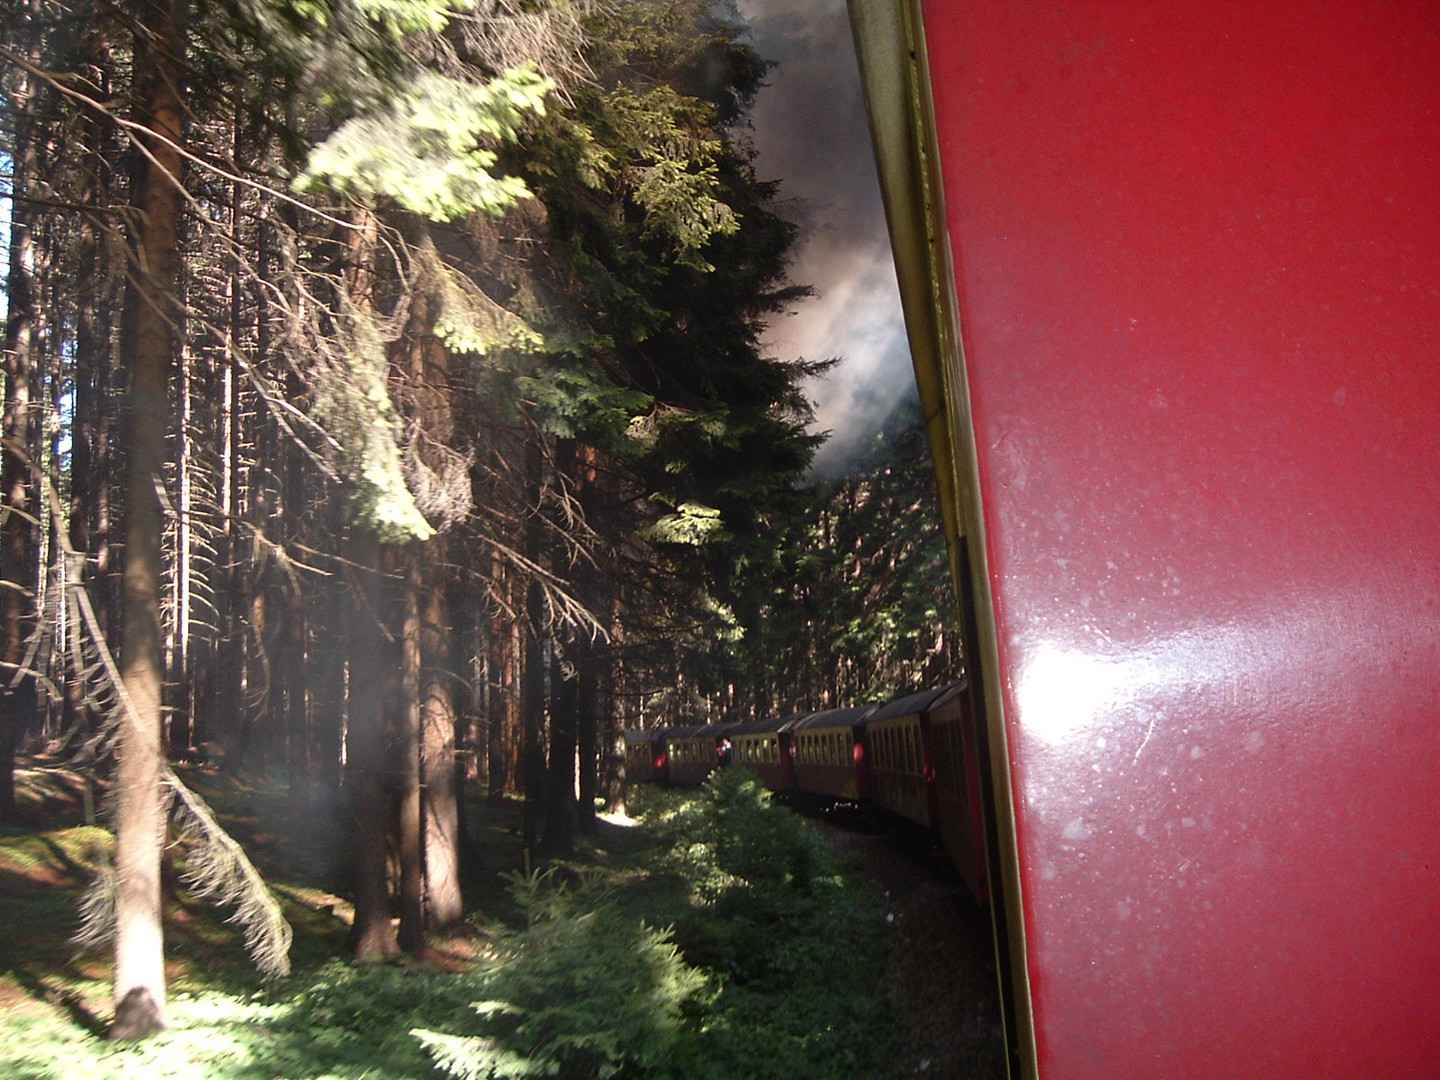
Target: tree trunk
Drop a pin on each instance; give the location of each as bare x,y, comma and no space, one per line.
532,672
149,351
502,710
372,936
294,663
560,809
407,765
444,905
19,578
588,731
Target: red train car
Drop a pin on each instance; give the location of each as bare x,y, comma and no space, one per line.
767,748
1170,279
901,774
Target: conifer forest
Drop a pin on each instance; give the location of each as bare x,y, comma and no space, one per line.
386,413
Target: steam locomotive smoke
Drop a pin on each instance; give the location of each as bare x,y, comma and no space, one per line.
810,131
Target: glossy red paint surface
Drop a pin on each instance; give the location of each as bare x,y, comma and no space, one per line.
1197,254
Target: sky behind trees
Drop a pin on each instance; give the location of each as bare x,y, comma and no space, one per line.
810,132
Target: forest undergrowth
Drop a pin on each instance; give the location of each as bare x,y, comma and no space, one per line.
714,936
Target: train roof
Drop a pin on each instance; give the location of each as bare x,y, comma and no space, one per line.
924,701
700,731
767,724
642,735
846,717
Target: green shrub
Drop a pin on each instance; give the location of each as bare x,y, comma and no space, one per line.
799,953
581,992
733,836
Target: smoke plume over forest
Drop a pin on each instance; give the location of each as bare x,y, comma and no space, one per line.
810,131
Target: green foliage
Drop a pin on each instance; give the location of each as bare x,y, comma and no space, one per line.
357,1019
411,16
467,320
733,837
690,523
661,146
422,146
572,402
854,601
579,992
798,954
353,403
776,969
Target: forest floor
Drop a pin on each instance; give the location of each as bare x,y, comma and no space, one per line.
940,974
944,969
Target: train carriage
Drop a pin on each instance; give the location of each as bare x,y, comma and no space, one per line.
957,786
899,757
646,755
695,752
830,752
1169,278
767,748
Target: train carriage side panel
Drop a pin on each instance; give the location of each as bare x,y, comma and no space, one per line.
1170,274
958,806
645,755
900,758
765,747
829,754
696,752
